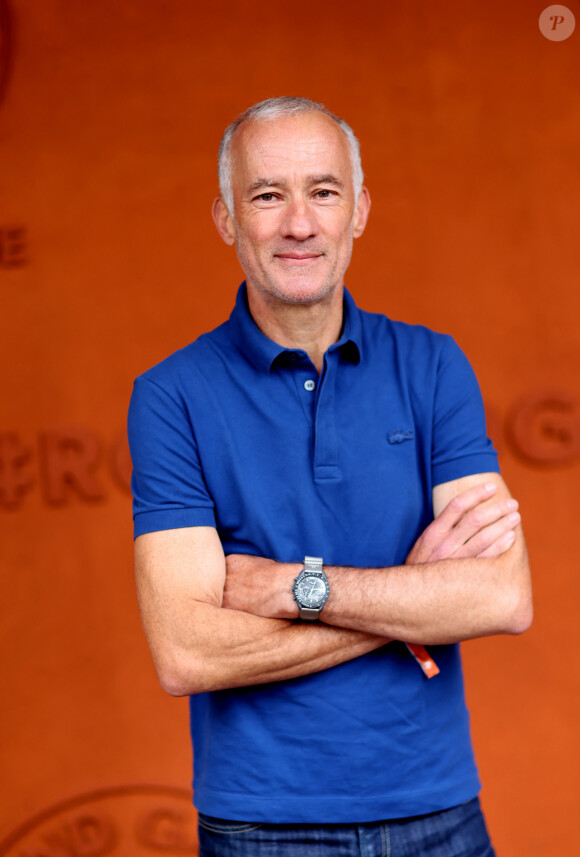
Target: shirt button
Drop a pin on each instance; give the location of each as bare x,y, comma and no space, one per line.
310,385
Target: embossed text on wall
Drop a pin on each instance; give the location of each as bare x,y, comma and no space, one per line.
71,464
65,464
118,821
13,247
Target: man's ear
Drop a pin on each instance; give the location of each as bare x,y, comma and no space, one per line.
223,221
361,212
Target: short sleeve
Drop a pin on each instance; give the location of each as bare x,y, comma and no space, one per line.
169,490
460,443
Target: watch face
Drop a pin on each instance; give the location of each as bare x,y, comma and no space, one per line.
311,591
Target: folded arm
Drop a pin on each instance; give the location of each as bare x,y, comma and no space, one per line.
467,576
198,645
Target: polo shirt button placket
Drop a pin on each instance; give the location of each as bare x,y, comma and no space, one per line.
308,392
305,381
326,467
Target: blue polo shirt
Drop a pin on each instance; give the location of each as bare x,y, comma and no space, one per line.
237,432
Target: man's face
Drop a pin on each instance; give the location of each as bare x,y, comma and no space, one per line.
295,214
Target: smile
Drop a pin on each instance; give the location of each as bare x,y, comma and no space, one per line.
297,258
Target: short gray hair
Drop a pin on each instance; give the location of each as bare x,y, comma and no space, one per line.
276,108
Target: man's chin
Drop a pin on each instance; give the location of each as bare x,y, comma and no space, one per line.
300,292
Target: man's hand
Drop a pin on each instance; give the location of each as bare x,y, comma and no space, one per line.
473,524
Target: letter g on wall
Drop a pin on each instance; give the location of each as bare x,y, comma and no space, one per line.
545,427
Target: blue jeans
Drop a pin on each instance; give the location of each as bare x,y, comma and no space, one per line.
456,832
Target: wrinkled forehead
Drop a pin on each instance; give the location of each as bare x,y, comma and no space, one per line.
291,148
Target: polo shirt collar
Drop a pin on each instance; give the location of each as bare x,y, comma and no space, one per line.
262,352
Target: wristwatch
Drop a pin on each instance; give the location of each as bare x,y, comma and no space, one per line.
311,588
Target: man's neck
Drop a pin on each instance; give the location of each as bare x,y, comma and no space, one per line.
307,327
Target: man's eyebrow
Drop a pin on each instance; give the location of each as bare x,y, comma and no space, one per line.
323,178
266,182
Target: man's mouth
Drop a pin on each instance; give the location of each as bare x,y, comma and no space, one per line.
294,258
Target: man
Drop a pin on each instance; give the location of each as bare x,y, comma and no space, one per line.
303,427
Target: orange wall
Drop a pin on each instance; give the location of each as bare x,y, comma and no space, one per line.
109,124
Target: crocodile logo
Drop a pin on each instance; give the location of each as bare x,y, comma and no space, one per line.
400,435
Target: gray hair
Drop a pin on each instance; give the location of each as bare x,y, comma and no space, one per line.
276,108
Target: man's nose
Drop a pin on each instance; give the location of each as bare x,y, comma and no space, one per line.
299,221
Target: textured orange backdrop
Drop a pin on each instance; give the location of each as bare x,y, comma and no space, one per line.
112,112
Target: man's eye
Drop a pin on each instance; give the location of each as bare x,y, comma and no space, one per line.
266,197
324,194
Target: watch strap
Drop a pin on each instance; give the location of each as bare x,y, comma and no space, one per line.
312,563
309,614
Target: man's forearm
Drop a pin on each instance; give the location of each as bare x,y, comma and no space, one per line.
466,576
433,603
229,648
199,645
436,603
